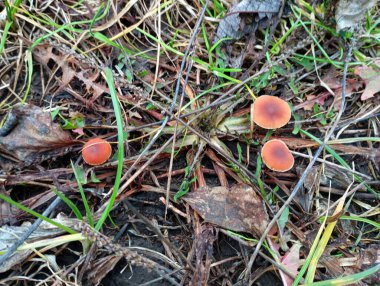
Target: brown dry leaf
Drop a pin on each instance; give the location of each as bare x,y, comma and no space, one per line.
237,208
67,64
331,81
34,138
91,86
335,84
311,99
371,77
45,53
74,66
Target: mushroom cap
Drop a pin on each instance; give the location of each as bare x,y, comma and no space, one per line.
271,112
276,156
96,151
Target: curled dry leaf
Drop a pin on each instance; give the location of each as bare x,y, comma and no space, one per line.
332,81
238,208
33,137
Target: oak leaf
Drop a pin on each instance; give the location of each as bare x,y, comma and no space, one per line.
238,208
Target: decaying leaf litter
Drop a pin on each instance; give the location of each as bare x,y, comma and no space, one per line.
185,198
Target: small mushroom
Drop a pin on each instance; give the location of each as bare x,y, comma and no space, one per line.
96,151
276,156
271,112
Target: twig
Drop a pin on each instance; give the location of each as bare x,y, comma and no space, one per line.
175,137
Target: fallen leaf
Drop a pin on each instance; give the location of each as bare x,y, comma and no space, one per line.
92,86
34,138
333,83
371,77
291,260
245,17
350,13
311,99
45,53
237,208
73,66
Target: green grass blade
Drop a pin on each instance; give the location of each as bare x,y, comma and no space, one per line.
214,46
294,26
310,255
83,195
36,214
11,10
216,87
120,144
297,12
7,26
322,244
70,203
205,38
361,219
347,280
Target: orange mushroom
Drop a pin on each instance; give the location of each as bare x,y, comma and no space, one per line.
96,151
271,112
276,156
